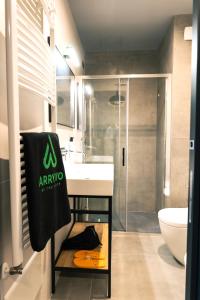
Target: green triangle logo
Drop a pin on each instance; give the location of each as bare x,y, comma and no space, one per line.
50,159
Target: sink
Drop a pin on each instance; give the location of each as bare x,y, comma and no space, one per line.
89,179
100,159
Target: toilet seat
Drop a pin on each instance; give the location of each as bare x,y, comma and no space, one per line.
173,226
177,217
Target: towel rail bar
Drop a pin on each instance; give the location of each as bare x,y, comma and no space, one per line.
27,245
35,74
34,91
13,130
26,231
23,181
30,47
26,242
34,56
22,164
34,14
24,196
22,173
24,208
24,39
24,214
25,222
36,71
26,237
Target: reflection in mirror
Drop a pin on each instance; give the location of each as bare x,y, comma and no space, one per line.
65,92
79,106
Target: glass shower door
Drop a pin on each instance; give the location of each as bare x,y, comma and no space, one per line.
126,126
105,135
102,122
146,155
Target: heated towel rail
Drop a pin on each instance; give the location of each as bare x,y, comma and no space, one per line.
30,67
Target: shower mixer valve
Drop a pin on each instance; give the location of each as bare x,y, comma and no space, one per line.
16,270
5,270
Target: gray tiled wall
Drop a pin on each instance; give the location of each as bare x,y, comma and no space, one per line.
160,146
4,170
142,145
5,227
126,62
142,122
175,56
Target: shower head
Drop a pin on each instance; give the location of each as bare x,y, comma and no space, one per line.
60,100
116,99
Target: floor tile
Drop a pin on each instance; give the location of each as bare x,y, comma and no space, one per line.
142,269
99,288
73,288
143,222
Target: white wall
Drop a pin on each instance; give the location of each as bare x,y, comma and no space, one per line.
66,32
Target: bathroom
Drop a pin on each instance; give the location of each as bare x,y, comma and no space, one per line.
131,109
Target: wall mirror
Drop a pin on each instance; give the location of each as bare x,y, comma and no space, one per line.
65,86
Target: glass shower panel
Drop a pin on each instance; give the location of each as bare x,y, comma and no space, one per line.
123,150
126,125
142,139
102,122
103,139
161,142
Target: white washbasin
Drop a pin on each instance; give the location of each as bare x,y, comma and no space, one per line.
89,179
100,158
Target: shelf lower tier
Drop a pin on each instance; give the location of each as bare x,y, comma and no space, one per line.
65,259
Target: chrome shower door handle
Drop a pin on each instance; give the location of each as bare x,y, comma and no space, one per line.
123,157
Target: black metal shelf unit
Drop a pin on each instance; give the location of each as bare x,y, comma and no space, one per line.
64,259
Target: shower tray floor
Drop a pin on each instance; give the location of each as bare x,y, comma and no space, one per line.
143,222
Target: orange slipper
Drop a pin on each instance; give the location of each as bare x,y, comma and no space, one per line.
89,263
91,254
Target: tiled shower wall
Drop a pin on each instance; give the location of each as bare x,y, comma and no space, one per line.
125,62
173,56
160,146
104,122
142,145
142,120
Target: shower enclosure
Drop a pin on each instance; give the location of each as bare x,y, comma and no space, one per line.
127,122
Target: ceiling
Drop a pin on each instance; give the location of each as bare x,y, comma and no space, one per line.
117,25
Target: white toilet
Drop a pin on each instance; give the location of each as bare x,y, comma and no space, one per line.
173,225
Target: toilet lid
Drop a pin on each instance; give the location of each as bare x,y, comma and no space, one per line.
174,216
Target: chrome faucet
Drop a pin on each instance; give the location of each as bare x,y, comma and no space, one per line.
64,153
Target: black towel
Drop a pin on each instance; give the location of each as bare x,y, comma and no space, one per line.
48,205
86,240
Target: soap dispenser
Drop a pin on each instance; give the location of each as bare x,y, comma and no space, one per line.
71,144
71,147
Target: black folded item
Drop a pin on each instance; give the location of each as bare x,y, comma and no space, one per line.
47,201
86,240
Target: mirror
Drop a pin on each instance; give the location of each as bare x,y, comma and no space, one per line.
65,86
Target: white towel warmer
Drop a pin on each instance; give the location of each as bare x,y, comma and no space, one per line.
29,63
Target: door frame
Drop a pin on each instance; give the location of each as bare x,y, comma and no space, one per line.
193,243
168,99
